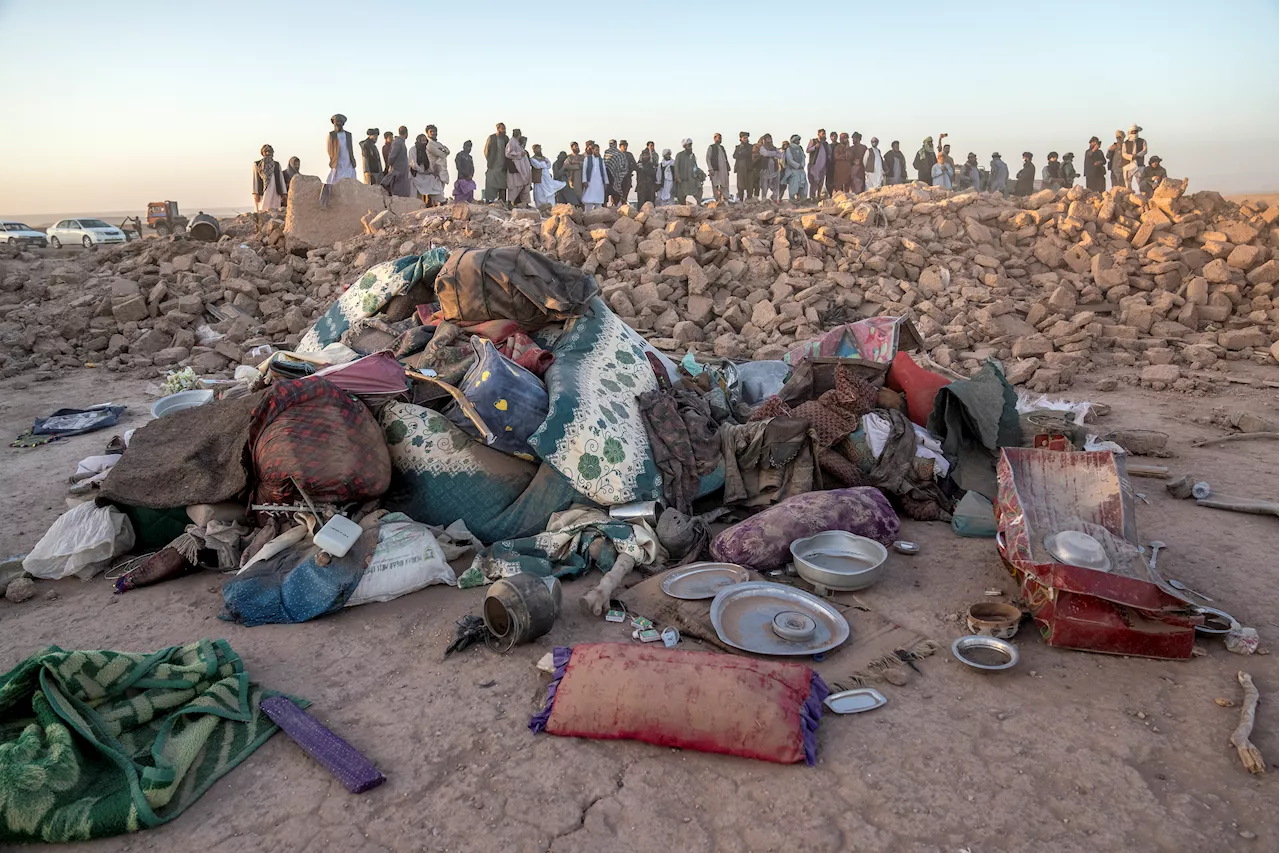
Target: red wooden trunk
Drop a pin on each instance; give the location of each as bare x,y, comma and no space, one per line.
1045,491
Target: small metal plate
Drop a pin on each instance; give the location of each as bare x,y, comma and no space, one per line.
743,617
855,701
702,580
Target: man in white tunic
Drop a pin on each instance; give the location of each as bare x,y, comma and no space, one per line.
666,177
594,178
545,186
342,156
437,167
268,182
875,165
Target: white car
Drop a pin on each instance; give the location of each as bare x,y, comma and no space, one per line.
17,234
86,232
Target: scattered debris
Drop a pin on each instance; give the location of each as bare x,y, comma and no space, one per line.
1249,754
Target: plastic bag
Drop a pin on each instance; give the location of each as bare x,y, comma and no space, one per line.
82,542
406,559
974,517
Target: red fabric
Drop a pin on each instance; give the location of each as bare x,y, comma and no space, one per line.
689,700
378,373
310,431
918,385
521,349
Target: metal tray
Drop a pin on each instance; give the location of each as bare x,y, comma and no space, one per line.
743,616
702,580
855,701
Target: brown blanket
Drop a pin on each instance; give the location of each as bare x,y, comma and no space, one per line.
196,456
872,647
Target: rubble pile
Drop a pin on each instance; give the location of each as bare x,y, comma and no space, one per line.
1053,284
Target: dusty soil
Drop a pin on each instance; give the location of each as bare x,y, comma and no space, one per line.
1068,752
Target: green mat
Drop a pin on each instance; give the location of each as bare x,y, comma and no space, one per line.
96,743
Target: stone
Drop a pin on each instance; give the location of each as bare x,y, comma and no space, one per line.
763,314
205,363
1032,346
151,342
20,590
1165,374
1268,273
687,332
123,288
309,226
1244,257
1217,271
644,294
170,355
679,248
1022,370
1062,300
1048,253
1238,339
1105,272
130,310
700,309
1198,291
806,264
728,346
191,304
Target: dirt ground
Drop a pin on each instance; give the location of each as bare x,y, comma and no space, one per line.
1068,752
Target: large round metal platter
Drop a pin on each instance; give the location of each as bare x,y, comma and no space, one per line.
702,580
743,616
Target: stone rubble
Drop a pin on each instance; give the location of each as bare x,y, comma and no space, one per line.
1055,285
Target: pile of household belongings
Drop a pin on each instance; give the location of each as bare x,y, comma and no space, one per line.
488,399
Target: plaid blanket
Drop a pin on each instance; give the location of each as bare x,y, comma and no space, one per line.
309,432
96,743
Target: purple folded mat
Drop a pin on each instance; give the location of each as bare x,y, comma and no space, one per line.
341,759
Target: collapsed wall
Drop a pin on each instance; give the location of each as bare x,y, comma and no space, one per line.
1053,284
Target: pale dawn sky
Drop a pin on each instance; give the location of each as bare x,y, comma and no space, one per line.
110,105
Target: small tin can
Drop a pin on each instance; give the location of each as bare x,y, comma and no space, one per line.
647,635
615,616
670,636
641,622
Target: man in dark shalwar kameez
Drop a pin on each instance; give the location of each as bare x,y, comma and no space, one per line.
495,158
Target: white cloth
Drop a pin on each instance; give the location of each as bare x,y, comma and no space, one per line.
270,198
420,182
437,176
941,175
593,187
545,191
875,175
877,428
344,169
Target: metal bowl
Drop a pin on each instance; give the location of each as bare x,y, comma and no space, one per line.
835,560
1216,622
1074,548
993,619
180,401
974,651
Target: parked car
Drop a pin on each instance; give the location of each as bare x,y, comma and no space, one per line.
86,232
17,234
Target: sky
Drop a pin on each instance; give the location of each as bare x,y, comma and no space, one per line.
110,105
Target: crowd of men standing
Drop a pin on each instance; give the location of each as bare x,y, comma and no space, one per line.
520,175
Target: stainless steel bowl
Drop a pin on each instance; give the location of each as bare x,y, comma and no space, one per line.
967,649
835,560
1075,548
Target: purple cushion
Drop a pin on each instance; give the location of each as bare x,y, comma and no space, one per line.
763,542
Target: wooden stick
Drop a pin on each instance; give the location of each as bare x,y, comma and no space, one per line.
1235,436
1249,505
1135,469
1249,753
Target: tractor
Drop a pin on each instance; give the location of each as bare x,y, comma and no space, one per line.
163,216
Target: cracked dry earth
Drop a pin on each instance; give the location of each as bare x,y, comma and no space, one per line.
1068,752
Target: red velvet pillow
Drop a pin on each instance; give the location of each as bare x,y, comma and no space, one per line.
918,385
691,700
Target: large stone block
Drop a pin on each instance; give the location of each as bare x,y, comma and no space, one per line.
307,225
